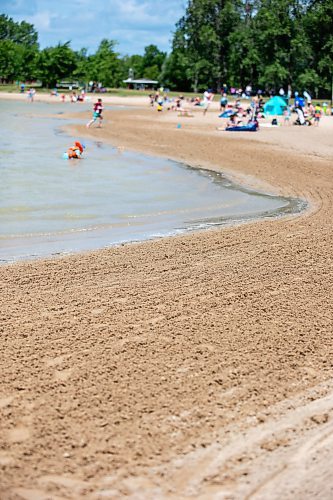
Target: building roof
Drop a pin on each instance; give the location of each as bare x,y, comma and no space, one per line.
140,80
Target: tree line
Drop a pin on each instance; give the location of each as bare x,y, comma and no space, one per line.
267,44
21,59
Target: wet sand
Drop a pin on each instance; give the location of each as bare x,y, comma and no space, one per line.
189,367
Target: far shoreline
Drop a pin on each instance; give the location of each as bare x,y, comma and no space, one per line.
293,208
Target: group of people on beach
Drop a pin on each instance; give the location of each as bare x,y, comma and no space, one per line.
307,114
31,92
163,101
238,115
245,109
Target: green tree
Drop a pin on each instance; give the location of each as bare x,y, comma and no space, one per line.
18,49
152,62
243,57
56,63
11,58
81,71
21,33
281,42
174,73
203,35
105,66
319,28
268,43
132,66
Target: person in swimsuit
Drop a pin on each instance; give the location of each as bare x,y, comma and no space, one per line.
74,152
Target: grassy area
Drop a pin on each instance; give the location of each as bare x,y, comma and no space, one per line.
13,88
130,92
122,92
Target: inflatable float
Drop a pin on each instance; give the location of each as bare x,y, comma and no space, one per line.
250,127
227,113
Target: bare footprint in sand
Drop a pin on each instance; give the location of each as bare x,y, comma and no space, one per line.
33,494
5,459
56,361
63,375
6,401
18,434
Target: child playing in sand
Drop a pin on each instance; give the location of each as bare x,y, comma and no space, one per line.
286,115
31,94
317,114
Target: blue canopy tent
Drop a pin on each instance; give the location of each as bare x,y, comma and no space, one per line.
275,106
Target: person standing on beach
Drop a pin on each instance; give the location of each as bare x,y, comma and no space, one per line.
207,99
286,115
97,114
223,102
317,114
31,94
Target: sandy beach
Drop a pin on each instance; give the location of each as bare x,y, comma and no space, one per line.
197,366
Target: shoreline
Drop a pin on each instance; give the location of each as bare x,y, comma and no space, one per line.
192,365
287,207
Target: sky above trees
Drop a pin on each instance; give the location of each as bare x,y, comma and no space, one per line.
134,24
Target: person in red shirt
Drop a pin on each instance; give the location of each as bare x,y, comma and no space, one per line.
97,114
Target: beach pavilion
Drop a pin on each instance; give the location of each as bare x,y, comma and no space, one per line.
141,83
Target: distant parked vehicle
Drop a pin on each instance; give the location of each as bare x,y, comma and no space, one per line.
68,85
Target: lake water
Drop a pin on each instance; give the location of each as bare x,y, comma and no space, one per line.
50,206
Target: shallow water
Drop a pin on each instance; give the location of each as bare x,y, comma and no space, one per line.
51,206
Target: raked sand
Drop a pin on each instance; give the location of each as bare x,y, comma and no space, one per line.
189,367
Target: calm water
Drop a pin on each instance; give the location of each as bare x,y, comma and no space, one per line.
51,206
